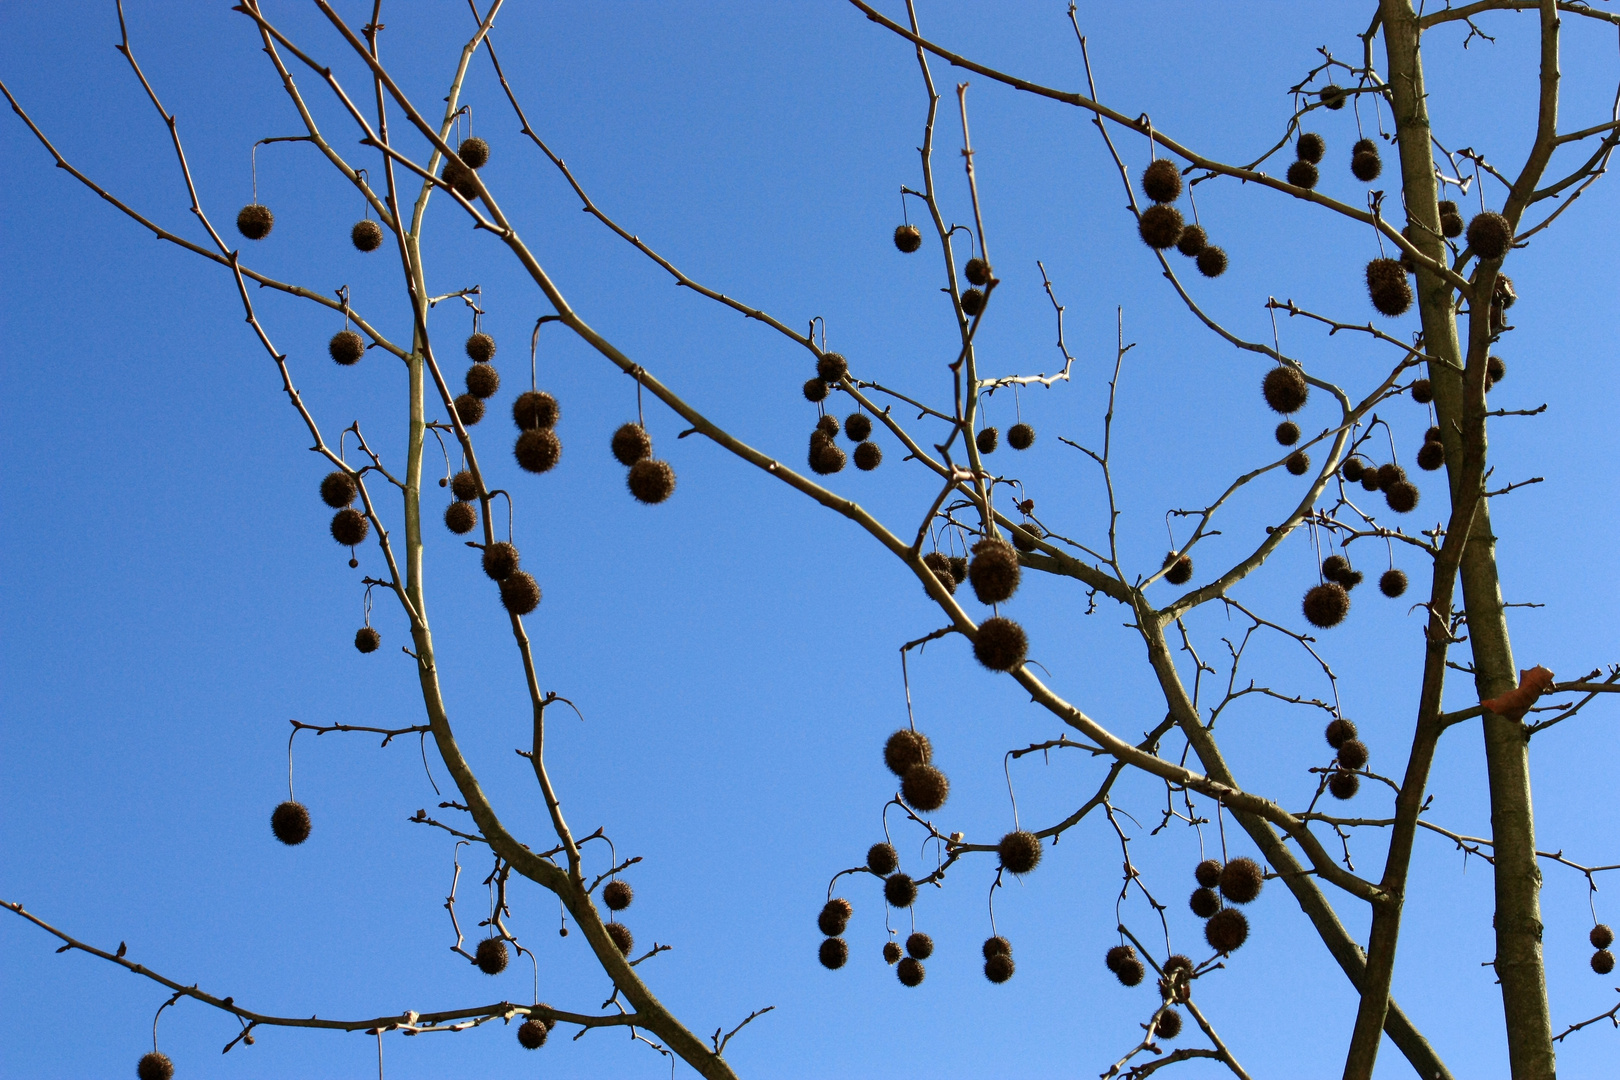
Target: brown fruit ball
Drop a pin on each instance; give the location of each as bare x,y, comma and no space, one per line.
1287,433
1601,936
987,440
1161,182
994,571
1020,436
1298,463
459,177
1310,147
1160,227
1353,754
977,271
1343,785
925,788
834,953
868,456
940,564
920,945
1241,880
468,409
1432,456
290,822
1490,235
473,152
463,486
1020,852
1388,287
1392,583
1130,972
617,895
1366,165
520,593
1335,566
1495,371
491,956
531,1034
1179,570
1402,497
631,443
825,456
481,348
1024,536
367,639
1326,605
350,527
996,946
1227,930
1212,261
1603,961
500,560
1208,873
1352,469
155,1066
882,859
1192,240
1204,902
834,916
1370,480
858,426
1332,96
999,968
338,490
255,222
622,938
899,890
1339,731
1303,174
483,381
891,952
1285,389
346,347
972,302
908,238
827,425
1422,391
910,972
366,235
1168,1026
906,749
1000,644
538,450
832,367
959,568
536,409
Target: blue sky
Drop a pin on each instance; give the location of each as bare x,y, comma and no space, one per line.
170,596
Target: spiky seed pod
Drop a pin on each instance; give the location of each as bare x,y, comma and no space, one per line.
940,564
1168,1026
907,238
925,788
1402,497
972,302
1208,873
815,390
538,449
500,560
1303,174
1601,936
999,968
491,956
338,490
905,749
1446,206
1490,235
891,952
1192,240
459,177
480,348
959,568
290,822
1388,288
1332,96
1352,469
346,347
832,367
910,972
1178,962
463,486
920,945
996,946
899,890
1212,261
1298,463
1495,371
1000,644
1366,165
1241,880
858,426
473,152
531,1034
1353,754
155,1066
350,527
1020,852
367,639
537,409
551,1023
1130,972
1603,961
1285,389
1326,605
1351,578
1227,930
1287,433
1451,225
1161,181
1310,147
834,917
1333,566
631,443
834,953
1204,902
366,235
825,456
1339,731
977,271
255,222
520,593
1343,785
623,939
1020,436
1160,226
1025,535
882,859
1392,583
482,381
868,456
1369,480
617,895
1179,570
1432,435
1389,475
468,409
1432,456
994,571
987,440
828,426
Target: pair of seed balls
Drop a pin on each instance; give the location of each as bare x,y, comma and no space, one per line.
909,755
650,480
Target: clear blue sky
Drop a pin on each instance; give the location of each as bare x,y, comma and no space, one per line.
170,597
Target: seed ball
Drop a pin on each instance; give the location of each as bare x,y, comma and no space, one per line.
834,953
350,527
1389,475
1353,754
1025,535
1285,389
1432,435
868,456
1495,371
1402,497
468,409
1388,288
1208,873
1603,961
346,347
459,177
537,409
891,952
531,1034
338,489
353,563
463,486
1303,174
366,235
1212,262
832,367
999,968
994,571
987,440
1422,391
1392,583
367,640
1178,962
1332,96
996,946
925,788
882,859
815,390
1446,206
1227,930
1020,436
631,443
940,564
1000,644
1168,1026
959,568
1161,181
1020,852
1288,433
622,938
858,426
1352,469
1130,972
920,945
1432,456
156,1066
491,956
473,152
825,456
1298,463
483,381
907,238
1192,240
977,271
1343,785
1310,147
910,972
1179,570
1451,225
1204,903
905,749
500,560
1490,235
255,221
972,302
1601,936
520,593
618,894
481,348
1118,955
1326,605
1241,880
1366,165
1334,566
1339,731
899,890
290,822
835,913
538,449
1160,227
1350,579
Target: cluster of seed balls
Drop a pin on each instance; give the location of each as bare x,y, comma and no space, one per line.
1351,754
826,457
1601,938
650,480
458,171
994,573
1365,164
1239,882
1160,225
1327,604
1178,970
